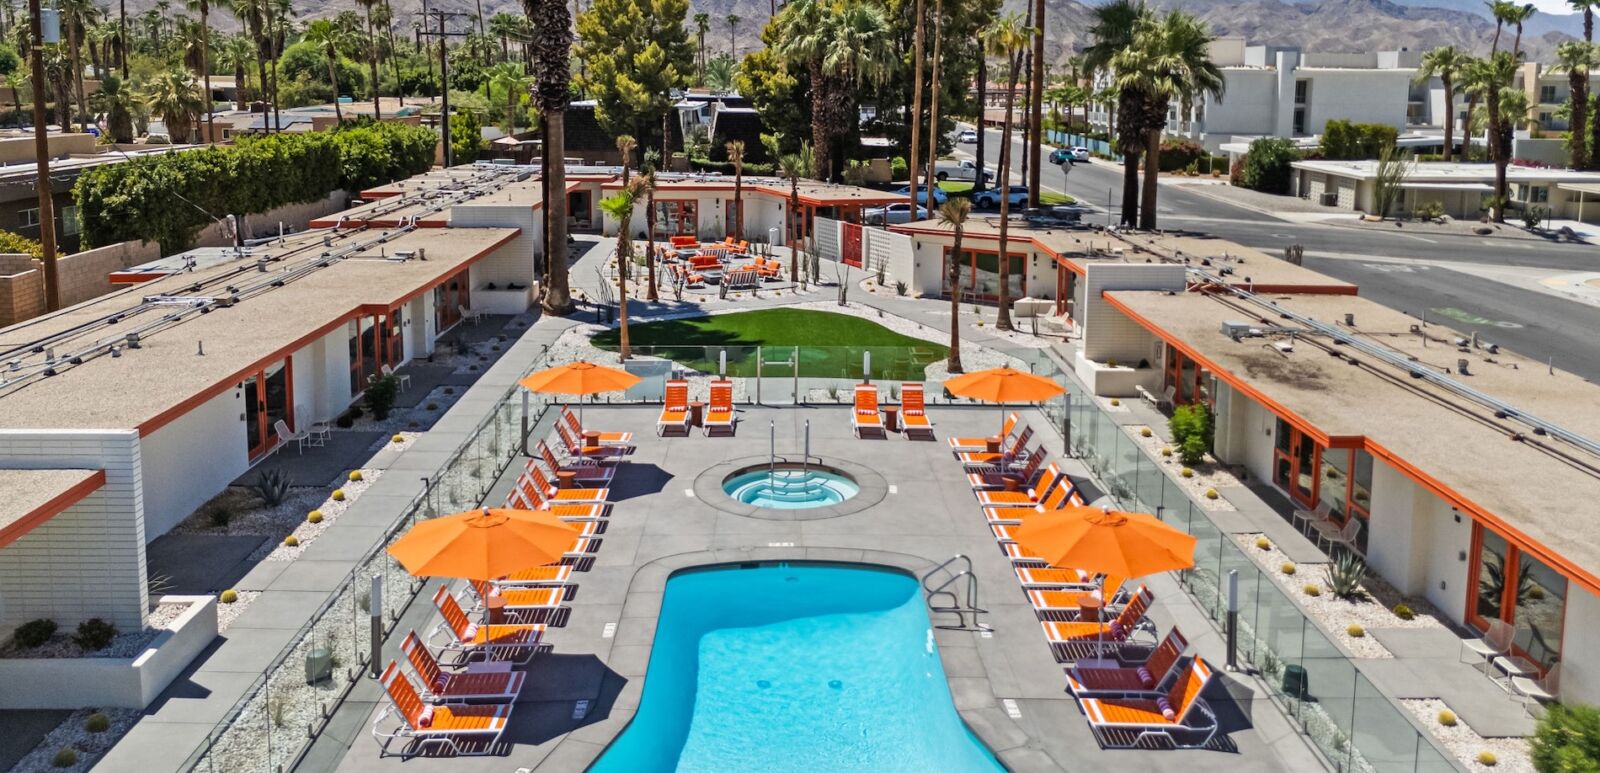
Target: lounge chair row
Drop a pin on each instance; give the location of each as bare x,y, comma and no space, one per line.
868,418
1133,694
676,413
461,686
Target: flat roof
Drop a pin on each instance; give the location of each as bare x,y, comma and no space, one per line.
1077,247
1453,171
1454,446
31,497
145,387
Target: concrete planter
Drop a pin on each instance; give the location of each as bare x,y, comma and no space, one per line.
1121,381
502,301
123,683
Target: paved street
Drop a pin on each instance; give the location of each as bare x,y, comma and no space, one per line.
1399,270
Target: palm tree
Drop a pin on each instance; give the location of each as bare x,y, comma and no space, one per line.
733,36
328,36
1501,10
1499,70
720,74
799,41
1169,59
1519,15
1446,62
254,15
75,16
553,51
1587,8
736,157
203,7
372,57
795,166
1005,39
918,23
236,54
620,207
122,35
1113,31
1577,57
175,96
508,77
702,25
858,49
953,212
118,103
933,110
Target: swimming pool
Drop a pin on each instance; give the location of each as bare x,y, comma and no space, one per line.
802,667
790,487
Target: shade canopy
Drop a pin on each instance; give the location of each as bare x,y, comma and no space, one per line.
578,378
1100,540
1003,385
484,544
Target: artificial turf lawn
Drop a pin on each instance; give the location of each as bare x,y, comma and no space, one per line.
830,344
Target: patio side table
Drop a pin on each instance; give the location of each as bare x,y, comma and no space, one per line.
891,418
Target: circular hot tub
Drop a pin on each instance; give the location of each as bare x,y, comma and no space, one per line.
790,487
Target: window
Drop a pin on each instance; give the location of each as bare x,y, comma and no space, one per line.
1547,95
1544,119
69,220
1300,120
1521,590
28,218
1302,89
1538,194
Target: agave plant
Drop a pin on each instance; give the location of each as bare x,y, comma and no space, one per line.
272,487
1344,576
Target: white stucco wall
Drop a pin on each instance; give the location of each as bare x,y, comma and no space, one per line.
89,560
1108,333
1580,667
1248,106
1360,96
192,458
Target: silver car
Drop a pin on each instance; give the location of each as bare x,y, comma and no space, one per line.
894,214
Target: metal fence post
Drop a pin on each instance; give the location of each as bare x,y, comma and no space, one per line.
375,613
1233,620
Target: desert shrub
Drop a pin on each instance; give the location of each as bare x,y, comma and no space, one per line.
1287,568
1180,154
1403,612
1428,210
380,396
1568,739
1190,426
315,516
272,486
97,723
229,596
1266,165
1346,141
1344,575
94,634
1262,543
291,541
34,633
1447,718
1355,631
65,758
1312,589
1487,759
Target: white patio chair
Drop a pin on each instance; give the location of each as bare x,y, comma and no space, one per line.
1544,689
469,315
285,436
1323,512
404,379
1338,535
1496,641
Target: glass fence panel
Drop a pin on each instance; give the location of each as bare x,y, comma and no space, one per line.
1382,737
1327,708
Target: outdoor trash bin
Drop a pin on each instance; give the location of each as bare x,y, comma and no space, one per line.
319,663
1294,682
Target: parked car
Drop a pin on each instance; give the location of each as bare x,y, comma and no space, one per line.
895,214
964,170
939,196
968,136
1072,155
990,199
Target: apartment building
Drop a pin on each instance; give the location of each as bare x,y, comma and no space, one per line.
1287,92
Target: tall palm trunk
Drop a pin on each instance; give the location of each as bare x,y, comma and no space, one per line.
952,363
333,78
122,36
205,67
372,66
978,183
1003,319
558,300
624,267
74,39
1131,144
933,109
1466,126
1036,104
915,119
1450,119
1578,128
388,35
1152,174
1495,151
793,228
820,142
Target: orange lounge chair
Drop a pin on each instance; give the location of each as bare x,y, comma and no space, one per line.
469,641
606,438
1179,715
586,473
1018,556
1065,604
960,444
547,576
1033,496
684,241
1014,515
1071,639
996,479
521,603
675,413
1006,458
719,413
571,512
459,730
550,492
578,450
913,411
768,269
441,686
1154,674
690,277
700,263
866,415
1053,578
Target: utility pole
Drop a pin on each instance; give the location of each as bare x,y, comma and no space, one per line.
41,150
444,75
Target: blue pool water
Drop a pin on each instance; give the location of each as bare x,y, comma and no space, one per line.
806,667
790,488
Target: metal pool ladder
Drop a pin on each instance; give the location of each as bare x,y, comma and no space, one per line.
949,597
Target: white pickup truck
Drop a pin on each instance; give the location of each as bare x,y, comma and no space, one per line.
964,170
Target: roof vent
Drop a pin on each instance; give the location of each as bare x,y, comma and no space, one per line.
1461,366
1238,330
1349,320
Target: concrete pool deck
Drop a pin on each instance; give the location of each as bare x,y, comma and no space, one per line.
1005,683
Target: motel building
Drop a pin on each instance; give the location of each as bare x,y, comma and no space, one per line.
704,206
1453,491
122,415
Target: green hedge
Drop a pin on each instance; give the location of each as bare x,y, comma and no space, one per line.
1346,141
170,197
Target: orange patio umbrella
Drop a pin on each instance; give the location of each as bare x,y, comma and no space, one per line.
1100,540
1004,385
484,544
578,378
